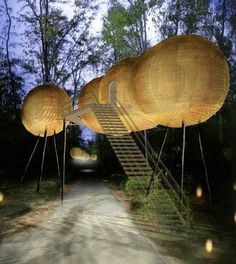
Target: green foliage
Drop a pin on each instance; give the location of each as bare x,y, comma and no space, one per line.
124,29
57,47
134,186
19,200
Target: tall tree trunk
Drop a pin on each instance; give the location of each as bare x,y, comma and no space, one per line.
177,17
10,73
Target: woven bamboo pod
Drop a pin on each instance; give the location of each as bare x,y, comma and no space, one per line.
93,157
44,108
183,79
79,154
123,74
85,99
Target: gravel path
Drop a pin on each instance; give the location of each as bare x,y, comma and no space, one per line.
90,227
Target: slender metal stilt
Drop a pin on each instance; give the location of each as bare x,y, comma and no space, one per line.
204,164
31,156
64,161
42,164
212,206
157,163
57,159
145,143
183,152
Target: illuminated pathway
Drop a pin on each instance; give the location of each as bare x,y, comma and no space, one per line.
90,227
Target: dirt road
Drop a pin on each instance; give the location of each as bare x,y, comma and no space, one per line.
90,227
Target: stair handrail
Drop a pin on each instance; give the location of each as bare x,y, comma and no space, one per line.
182,198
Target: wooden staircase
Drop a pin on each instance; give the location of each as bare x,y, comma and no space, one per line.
123,144
166,206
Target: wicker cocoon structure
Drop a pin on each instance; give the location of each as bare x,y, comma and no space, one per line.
183,79
93,157
86,97
44,108
122,74
79,154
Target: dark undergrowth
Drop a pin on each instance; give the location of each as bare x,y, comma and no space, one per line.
18,200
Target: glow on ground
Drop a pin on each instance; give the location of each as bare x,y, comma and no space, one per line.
209,246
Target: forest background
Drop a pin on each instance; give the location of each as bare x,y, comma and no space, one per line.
70,42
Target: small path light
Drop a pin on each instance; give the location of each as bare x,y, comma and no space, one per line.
235,216
234,186
199,191
209,246
1,197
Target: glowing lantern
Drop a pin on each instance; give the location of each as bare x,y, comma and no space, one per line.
79,154
235,217
199,191
183,79
209,246
93,157
1,197
44,108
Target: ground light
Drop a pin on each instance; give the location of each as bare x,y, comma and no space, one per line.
1,197
234,186
199,191
209,246
235,216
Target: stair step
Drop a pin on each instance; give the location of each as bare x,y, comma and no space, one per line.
135,157
129,151
117,133
114,122
137,169
117,130
138,173
117,126
106,112
131,164
140,161
124,143
105,116
121,139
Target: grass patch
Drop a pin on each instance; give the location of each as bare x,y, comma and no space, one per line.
19,200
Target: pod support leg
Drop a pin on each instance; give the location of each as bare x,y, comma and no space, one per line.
204,165
183,154
29,161
42,163
64,162
157,163
57,159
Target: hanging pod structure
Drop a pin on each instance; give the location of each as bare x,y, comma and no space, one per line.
79,154
115,88
121,94
44,109
93,156
181,80
88,96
